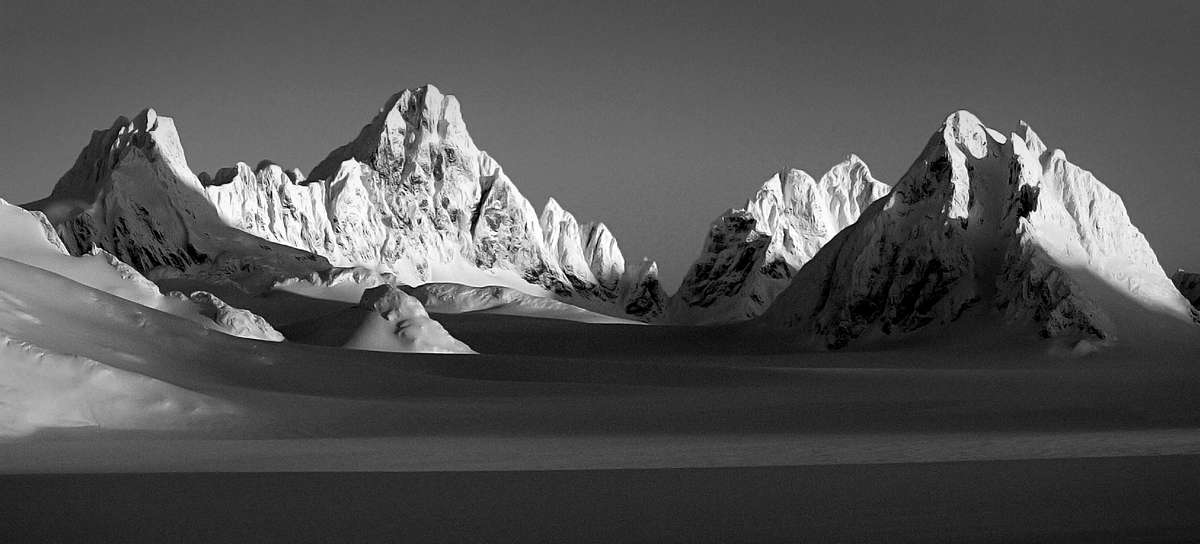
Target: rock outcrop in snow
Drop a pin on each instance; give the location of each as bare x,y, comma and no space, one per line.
398,322
1189,285
980,221
751,254
230,320
453,298
642,295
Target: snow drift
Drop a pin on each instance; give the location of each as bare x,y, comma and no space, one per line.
56,386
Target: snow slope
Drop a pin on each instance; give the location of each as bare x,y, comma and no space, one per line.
751,254
1002,226
30,239
45,387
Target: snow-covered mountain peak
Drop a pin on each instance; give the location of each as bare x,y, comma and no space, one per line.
983,221
1033,143
565,241
147,134
603,255
413,120
964,131
750,255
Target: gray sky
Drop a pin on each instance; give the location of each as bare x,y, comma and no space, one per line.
653,118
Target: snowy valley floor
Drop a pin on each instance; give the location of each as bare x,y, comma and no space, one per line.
563,431
705,454
1116,499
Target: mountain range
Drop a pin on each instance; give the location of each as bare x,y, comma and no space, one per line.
983,225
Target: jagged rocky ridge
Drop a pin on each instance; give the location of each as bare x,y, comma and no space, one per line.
981,221
750,254
414,195
411,196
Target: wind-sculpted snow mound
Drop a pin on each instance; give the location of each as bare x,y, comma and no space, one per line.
230,320
751,254
43,389
65,358
983,222
1189,285
398,322
453,298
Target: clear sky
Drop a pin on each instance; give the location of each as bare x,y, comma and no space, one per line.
654,118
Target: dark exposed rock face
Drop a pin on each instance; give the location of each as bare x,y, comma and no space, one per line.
132,194
1189,285
750,254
